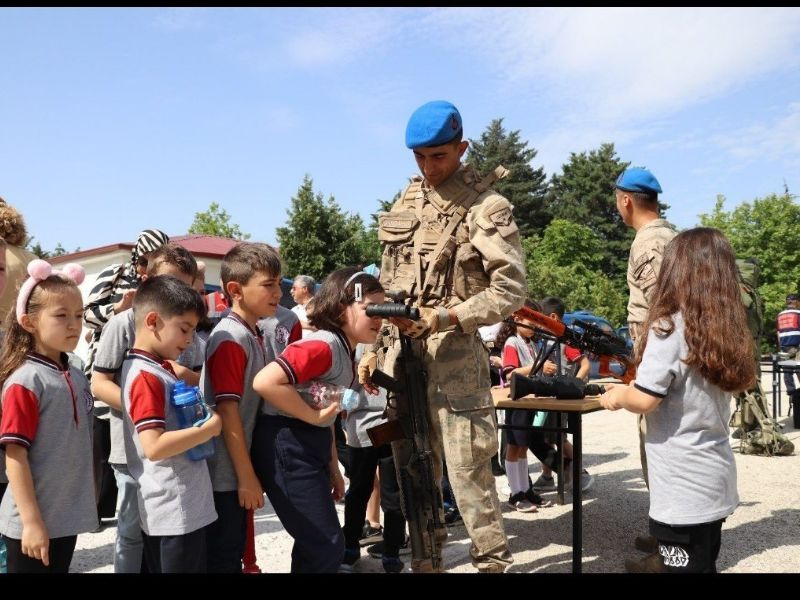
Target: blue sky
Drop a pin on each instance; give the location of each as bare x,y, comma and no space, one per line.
116,120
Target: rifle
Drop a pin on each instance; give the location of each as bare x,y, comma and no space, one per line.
605,346
420,492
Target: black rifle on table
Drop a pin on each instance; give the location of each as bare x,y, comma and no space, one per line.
408,396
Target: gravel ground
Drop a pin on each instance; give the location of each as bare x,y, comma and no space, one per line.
762,535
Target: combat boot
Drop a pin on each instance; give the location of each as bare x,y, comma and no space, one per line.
491,567
425,565
652,563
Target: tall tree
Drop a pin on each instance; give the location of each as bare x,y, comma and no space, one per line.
319,237
216,221
584,193
565,262
768,229
525,187
37,249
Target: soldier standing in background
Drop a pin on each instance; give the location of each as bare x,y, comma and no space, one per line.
451,244
637,192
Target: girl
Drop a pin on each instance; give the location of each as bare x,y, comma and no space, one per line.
519,352
697,352
46,425
293,444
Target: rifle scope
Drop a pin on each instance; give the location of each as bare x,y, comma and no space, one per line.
390,310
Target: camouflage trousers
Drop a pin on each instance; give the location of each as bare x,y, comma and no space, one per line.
467,441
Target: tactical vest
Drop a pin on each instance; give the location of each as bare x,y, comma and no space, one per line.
427,250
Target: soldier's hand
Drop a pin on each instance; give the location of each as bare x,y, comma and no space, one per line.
427,323
367,364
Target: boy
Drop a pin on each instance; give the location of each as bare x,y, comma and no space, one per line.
251,275
174,493
117,338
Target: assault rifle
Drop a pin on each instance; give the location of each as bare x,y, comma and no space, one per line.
408,395
592,339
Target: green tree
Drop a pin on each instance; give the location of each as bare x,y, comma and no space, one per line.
36,248
565,262
525,187
768,229
584,193
319,237
216,221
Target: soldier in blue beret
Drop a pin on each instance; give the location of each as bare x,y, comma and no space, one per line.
438,237
637,191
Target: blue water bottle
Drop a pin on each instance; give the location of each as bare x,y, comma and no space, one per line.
192,412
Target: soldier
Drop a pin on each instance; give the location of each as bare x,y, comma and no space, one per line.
452,245
637,192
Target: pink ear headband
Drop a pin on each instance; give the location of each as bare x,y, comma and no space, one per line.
40,270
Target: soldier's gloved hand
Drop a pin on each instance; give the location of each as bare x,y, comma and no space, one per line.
367,364
427,323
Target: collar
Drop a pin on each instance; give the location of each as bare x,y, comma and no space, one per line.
343,339
48,362
136,353
256,332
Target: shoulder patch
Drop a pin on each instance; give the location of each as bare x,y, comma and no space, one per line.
501,219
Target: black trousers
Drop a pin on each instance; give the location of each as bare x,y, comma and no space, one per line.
60,550
226,537
363,462
536,441
688,548
185,553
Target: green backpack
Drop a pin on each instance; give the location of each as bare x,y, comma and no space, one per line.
749,273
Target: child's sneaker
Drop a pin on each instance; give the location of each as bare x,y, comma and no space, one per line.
544,484
350,558
536,500
519,502
392,564
370,534
376,550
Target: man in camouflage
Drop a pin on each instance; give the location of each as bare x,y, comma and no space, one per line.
636,192
451,244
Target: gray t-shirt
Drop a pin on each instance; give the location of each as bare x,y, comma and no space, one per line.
48,410
692,471
118,337
369,411
174,493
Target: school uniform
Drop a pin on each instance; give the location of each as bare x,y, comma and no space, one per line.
292,457
235,353
118,337
47,409
174,494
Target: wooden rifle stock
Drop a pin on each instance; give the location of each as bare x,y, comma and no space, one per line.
387,432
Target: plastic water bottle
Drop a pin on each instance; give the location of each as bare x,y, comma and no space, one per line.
3,554
192,412
320,395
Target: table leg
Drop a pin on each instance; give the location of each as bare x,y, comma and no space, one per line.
577,492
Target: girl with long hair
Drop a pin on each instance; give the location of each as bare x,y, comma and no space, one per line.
697,352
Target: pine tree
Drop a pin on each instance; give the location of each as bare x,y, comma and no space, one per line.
525,187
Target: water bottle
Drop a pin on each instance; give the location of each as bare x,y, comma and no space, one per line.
192,412
3,554
319,395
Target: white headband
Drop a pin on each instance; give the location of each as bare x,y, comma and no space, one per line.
353,276
40,270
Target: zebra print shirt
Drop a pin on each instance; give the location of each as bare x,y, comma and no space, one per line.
109,288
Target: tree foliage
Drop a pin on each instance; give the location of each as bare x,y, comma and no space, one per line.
216,221
319,237
767,229
525,186
36,248
584,193
565,262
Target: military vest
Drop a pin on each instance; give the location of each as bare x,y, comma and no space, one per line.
426,239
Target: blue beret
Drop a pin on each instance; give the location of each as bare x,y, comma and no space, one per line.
638,179
433,124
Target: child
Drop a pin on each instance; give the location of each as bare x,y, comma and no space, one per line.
565,360
251,276
687,369
173,491
519,353
293,447
3,478
363,460
117,339
46,425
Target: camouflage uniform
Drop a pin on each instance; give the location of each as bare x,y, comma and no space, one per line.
644,263
479,273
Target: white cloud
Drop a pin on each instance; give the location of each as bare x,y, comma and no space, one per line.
776,140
